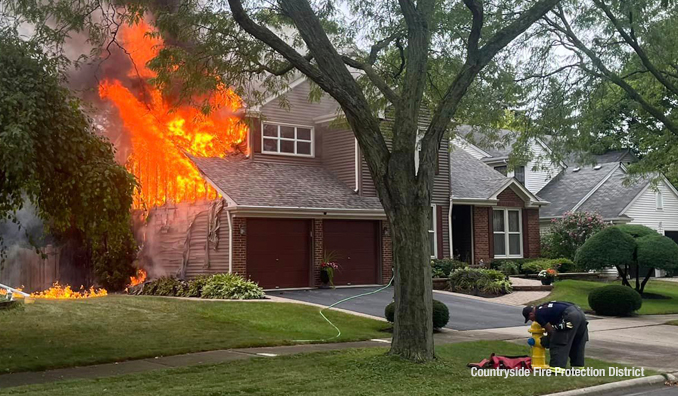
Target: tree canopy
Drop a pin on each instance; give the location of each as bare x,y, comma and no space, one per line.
51,157
603,75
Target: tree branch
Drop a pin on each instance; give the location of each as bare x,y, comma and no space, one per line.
631,40
280,71
476,9
566,29
379,82
475,62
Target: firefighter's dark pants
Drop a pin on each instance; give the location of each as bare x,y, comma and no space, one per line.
570,343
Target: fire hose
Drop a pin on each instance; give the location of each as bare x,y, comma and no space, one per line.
339,302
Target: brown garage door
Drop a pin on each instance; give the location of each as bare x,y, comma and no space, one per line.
278,252
355,244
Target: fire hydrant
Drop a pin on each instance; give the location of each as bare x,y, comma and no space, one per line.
538,350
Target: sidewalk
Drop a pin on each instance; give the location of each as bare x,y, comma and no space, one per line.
641,341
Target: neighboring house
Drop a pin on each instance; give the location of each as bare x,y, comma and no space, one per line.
304,190
572,187
493,216
601,189
534,175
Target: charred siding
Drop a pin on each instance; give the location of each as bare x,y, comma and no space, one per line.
339,153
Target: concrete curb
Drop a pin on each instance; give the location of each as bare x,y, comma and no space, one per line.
614,386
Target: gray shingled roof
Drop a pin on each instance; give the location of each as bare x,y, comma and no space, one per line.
625,156
471,178
252,183
498,144
567,189
613,196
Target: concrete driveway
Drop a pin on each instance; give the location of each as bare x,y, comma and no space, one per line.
465,313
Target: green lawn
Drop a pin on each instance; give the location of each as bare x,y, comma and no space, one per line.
50,334
578,291
348,372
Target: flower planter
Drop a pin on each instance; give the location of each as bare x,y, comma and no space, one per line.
546,281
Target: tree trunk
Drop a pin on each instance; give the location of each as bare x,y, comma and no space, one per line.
638,278
623,275
413,330
647,278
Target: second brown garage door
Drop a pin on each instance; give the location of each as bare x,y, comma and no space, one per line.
355,242
278,252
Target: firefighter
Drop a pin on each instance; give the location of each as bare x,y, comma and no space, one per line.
567,330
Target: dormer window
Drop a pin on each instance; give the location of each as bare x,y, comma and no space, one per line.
285,139
519,174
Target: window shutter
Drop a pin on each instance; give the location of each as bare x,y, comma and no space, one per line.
439,230
526,231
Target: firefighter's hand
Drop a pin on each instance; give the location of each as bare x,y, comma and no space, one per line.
546,342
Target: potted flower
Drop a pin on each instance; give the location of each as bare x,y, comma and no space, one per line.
327,268
547,276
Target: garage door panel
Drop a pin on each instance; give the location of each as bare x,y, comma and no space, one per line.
355,244
278,252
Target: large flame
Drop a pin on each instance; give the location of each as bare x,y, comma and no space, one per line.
161,134
59,292
139,278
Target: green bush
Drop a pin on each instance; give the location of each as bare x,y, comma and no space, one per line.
508,268
231,286
563,265
534,267
476,280
441,268
519,262
608,248
441,314
163,286
195,286
615,300
225,286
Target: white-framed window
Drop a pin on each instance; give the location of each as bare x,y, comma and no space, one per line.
507,227
659,200
433,232
285,139
503,169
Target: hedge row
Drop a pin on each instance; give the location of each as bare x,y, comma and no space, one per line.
218,286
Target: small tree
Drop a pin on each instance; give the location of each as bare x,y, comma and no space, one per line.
569,233
629,247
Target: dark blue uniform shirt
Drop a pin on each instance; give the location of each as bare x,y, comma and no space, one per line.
550,312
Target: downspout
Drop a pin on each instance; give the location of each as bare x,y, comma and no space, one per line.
230,241
449,229
357,165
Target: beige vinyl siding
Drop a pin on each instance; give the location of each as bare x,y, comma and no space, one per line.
440,194
300,112
339,153
644,211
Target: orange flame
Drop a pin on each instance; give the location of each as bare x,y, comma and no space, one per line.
139,278
161,134
62,293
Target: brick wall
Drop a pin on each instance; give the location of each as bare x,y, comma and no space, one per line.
317,250
386,253
239,265
481,234
531,237
508,198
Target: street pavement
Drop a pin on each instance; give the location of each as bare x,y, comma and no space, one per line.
465,313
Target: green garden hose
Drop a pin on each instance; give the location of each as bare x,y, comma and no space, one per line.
339,302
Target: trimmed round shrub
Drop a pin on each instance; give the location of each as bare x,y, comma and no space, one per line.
608,248
479,281
636,230
534,267
615,300
441,315
656,251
